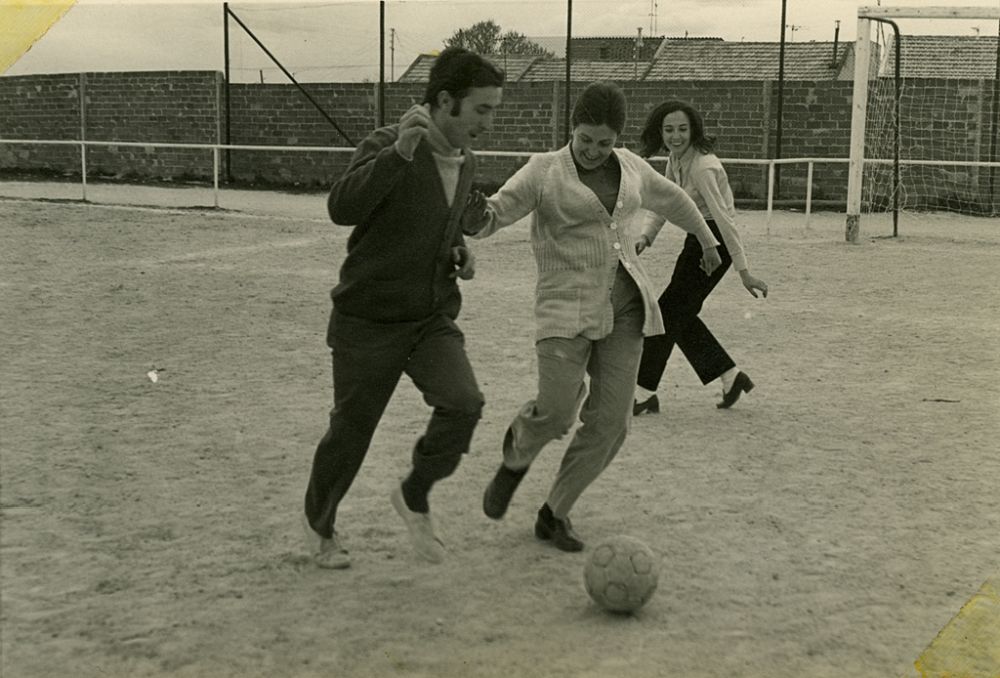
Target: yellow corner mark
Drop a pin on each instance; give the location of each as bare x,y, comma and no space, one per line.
969,645
23,22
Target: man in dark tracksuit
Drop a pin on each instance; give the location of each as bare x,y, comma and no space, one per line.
395,306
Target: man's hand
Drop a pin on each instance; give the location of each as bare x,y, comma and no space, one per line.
753,284
475,216
710,260
641,243
465,263
413,127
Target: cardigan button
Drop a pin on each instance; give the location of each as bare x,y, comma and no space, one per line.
614,225
617,246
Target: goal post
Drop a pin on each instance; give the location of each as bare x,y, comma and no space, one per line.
863,76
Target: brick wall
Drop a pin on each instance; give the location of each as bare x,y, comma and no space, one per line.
173,107
40,107
281,115
946,120
941,120
816,124
189,107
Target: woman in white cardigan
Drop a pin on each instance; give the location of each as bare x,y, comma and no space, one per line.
594,302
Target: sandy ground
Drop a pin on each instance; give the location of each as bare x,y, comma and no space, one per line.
829,525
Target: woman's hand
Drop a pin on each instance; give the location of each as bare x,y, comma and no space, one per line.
710,260
753,284
474,217
641,243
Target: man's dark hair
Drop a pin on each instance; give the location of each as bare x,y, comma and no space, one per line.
601,103
457,70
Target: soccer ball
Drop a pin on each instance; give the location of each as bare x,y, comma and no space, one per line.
621,574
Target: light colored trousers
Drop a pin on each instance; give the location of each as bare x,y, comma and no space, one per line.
612,364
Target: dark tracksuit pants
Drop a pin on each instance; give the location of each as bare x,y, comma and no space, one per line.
368,360
680,305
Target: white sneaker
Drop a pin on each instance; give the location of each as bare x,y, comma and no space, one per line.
326,553
425,542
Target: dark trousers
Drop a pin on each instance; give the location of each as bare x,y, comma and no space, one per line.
680,305
368,360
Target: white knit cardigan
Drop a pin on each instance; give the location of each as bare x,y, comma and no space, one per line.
578,245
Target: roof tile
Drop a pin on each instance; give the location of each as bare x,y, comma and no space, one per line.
944,56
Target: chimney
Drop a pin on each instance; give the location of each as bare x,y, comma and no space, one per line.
836,38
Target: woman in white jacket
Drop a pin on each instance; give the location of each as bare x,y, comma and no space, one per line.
593,304
677,127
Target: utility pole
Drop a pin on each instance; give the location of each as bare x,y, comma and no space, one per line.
381,63
781,99
392,55
636,51
793,28
225,40
569,72
652,17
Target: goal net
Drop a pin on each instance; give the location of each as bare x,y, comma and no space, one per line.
930,122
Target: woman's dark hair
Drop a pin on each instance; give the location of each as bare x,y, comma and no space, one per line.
652,133
601,103
457,70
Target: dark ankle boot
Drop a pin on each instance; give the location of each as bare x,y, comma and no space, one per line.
559,532
501,489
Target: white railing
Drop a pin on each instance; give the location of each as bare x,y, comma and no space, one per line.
771,163
218,148
215,148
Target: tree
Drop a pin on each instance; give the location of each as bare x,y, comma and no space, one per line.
486,37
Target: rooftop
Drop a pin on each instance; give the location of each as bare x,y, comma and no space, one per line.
943,56
548,70
923,56
513,65
720,60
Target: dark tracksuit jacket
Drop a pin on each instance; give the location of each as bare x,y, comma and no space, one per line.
399,254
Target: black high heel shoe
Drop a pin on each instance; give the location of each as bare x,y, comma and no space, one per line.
741,385
650,404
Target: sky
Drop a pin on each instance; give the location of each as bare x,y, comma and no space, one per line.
338,41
